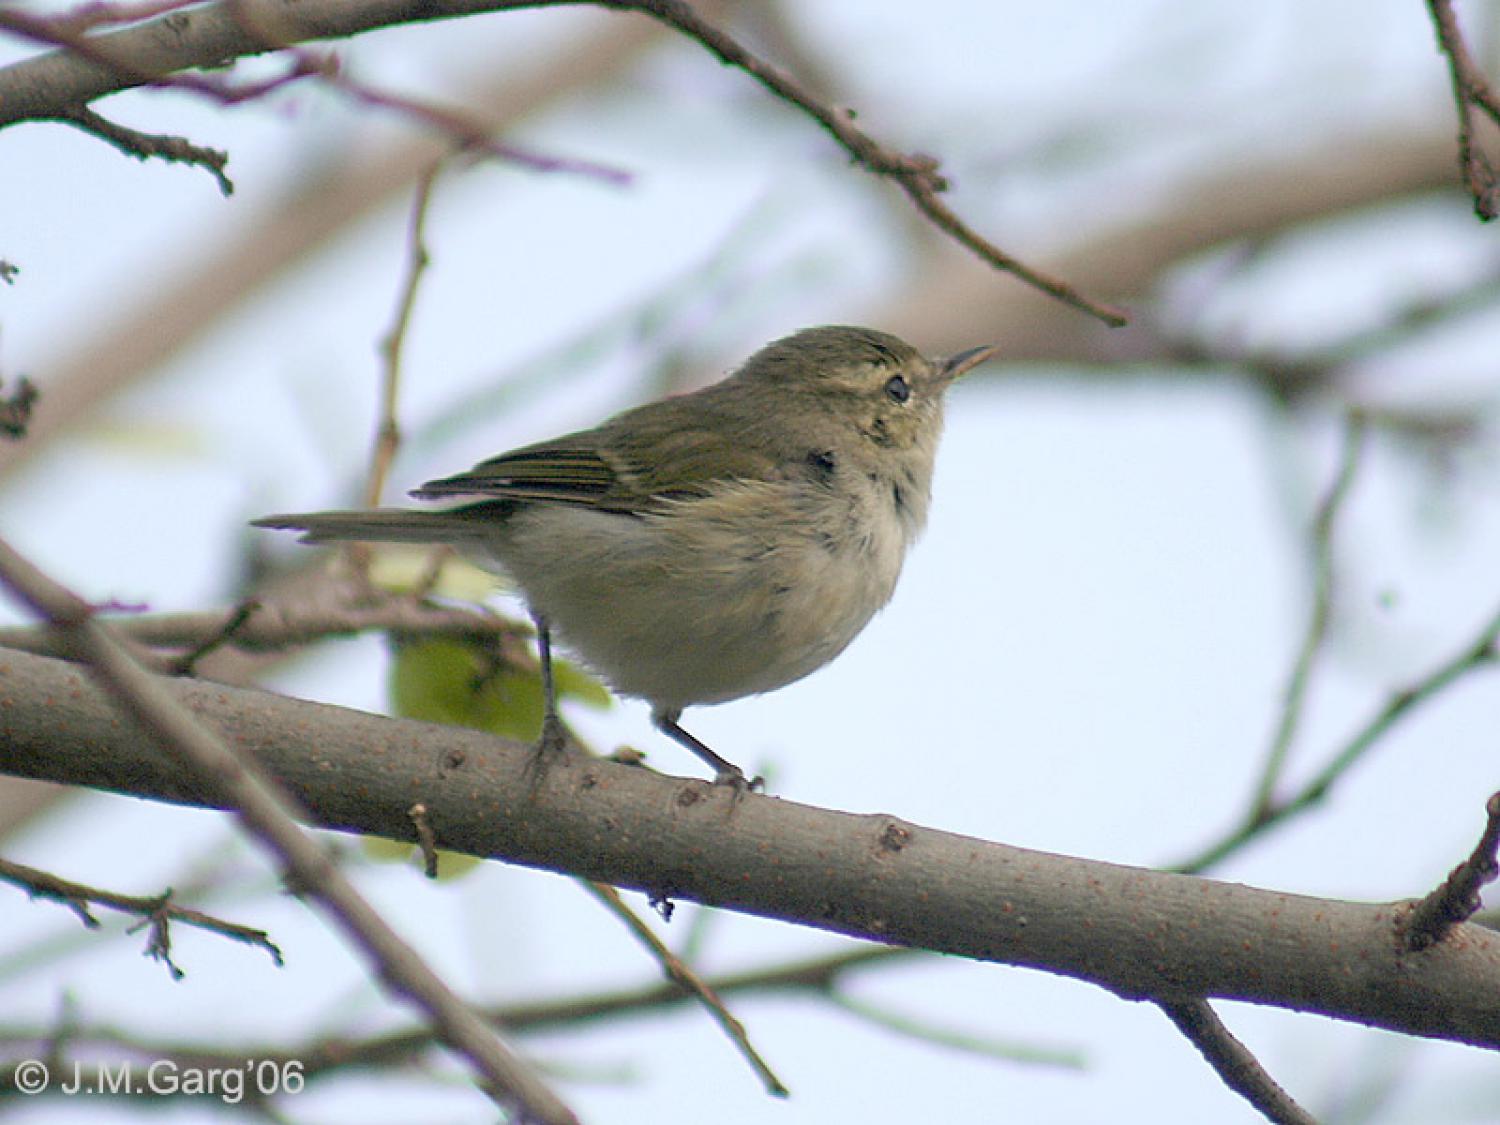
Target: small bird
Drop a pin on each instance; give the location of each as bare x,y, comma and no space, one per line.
712,545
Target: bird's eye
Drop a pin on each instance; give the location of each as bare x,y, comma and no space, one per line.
897,389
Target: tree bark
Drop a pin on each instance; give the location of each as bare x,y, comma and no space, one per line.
1139,933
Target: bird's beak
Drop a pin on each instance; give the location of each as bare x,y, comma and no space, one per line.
957,365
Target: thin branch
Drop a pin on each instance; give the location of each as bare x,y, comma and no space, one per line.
681,973
1457,899
145,146
276,626
1030,1054
388,429
470,134
332,1055
270,815
1295,694
1239,1069
1477,654
159,911
426,839
1150,934
915,174
1472,94
212,642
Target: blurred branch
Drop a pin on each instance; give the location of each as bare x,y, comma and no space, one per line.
682,974
16,407
1151,934
1240,1070
332,1055
1030,1054
1457,899
237,782
266,33
914,173
237,28
1295,694
1472,95
275,626
158,911
312,212
1477,654
388,427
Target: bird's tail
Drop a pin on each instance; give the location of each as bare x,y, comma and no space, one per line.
382,525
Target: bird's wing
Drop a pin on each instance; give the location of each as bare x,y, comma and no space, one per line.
633,463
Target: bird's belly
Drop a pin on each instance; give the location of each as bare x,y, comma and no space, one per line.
707,605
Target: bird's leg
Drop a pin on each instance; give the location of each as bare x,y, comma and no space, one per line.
725,771
554,738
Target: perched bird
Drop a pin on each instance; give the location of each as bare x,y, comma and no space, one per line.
713,545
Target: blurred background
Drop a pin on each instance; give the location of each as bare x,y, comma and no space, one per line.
1090,649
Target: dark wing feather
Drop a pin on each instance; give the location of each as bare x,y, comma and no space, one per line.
661,451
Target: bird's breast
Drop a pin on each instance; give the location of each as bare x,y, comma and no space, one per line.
712,598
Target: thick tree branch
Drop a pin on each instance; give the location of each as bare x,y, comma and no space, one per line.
1138,933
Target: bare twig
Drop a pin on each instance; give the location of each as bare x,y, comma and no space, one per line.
1318,619
388,429
145,146
1471,92
332,1055
256,626
471,135
218,638
1478,653
683,974
270,815
426,839
159,911
16,407
1239,1069
915,174
1458,898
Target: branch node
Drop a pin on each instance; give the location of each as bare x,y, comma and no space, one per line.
426,839
1456,900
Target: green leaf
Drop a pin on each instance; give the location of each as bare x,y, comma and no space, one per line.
465,683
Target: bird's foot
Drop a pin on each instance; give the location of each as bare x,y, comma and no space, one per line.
551,747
